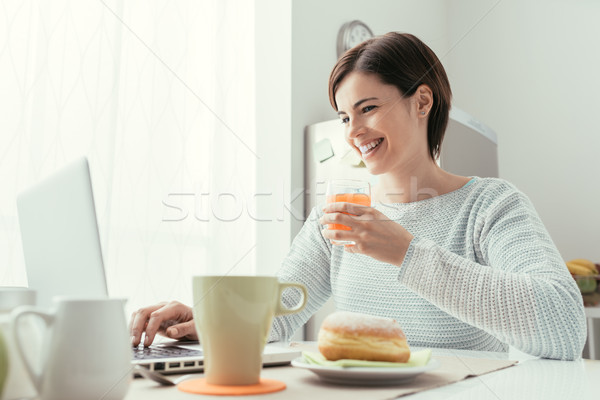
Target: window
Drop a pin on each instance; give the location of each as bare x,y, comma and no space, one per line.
160,97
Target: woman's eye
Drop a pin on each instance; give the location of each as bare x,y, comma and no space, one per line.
345,120
368,108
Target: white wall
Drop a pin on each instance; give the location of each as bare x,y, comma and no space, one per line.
503,70
529,69
295,52
273,55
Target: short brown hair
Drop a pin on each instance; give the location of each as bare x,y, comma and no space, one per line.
402,60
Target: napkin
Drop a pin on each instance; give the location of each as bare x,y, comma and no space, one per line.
417,359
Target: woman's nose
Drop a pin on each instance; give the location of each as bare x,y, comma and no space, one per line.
355,129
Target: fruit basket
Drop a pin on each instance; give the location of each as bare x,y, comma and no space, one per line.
589,286
587,275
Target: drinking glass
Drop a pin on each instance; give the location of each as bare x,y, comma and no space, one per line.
348,191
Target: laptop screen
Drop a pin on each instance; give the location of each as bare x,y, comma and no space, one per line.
60,237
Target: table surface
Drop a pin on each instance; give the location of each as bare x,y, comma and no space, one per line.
592,312
530,378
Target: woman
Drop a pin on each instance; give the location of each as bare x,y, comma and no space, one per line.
460,262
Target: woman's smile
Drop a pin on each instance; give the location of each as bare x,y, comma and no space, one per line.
368,150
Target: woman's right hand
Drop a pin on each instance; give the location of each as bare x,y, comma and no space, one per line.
173,320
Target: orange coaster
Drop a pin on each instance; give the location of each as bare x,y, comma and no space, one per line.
199,386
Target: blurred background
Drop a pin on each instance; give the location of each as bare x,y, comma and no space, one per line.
192,114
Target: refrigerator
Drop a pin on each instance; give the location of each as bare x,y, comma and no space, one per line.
469,148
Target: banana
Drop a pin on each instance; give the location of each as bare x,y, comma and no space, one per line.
587,264
577,269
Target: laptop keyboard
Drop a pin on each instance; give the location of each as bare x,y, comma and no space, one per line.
155,352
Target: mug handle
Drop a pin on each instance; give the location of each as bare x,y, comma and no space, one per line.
281,309
16,315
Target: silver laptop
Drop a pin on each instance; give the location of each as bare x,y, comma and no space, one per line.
61,245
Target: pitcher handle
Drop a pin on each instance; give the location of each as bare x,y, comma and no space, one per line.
281,310
14,322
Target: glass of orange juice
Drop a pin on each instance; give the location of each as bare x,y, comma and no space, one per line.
348,191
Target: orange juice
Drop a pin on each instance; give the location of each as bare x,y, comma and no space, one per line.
356,198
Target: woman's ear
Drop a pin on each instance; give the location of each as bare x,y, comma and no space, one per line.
424,100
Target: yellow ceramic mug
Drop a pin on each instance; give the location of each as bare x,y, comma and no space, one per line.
233,315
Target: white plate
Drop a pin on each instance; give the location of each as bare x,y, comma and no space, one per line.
366,376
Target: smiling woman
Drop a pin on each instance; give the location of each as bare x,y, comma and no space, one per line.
460,262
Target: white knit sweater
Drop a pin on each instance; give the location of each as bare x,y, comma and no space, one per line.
481,273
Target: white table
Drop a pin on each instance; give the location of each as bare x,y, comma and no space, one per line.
532,378
593,313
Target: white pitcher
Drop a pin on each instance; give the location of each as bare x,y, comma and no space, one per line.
86,354
18,385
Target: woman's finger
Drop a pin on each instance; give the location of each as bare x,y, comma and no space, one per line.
184,330
171,314
336,218
338,235
139,320
350,208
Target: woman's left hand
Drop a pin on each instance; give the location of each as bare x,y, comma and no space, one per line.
375,234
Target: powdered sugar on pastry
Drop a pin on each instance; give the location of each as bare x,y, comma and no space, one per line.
363,324
349,335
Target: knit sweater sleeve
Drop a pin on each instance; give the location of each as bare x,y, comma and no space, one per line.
307,262
521,292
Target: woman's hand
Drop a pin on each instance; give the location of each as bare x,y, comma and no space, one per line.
173,320
375,234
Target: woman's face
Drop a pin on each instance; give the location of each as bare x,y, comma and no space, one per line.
381,125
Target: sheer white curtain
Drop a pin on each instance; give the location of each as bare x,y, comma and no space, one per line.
160,96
